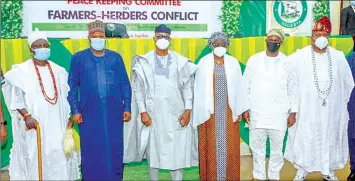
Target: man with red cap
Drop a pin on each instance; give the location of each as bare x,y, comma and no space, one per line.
318,141
100,77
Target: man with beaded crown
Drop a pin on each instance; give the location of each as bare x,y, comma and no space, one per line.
318,141
35,92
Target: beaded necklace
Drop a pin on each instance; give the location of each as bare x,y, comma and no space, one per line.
54,100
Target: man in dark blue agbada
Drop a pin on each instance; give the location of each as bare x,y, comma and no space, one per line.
99,76
351,127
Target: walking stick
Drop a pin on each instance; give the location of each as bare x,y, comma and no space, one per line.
39,151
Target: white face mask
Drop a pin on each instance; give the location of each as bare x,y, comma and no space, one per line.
163,44
219,51
321,42
97,43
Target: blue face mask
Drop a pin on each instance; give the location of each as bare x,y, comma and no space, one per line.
352,3
42,54
97,43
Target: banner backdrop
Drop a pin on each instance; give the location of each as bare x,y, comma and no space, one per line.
69,18
195,19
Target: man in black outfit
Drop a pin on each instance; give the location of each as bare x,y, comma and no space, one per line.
348,21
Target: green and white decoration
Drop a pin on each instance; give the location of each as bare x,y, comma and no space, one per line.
11,18
320,9
230,17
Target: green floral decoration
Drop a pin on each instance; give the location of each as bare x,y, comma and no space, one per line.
230,17
11,18
320,9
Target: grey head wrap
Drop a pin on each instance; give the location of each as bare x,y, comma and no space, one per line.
218,36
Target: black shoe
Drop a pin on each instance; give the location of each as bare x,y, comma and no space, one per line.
330,178
351,176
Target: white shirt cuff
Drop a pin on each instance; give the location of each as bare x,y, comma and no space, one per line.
294,108
141,107
188,105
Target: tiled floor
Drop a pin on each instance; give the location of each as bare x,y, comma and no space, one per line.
287,173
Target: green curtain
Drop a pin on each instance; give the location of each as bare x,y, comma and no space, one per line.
252,18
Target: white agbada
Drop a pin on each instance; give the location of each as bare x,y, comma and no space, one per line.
272,91
318,141
22,90
203,89
164,98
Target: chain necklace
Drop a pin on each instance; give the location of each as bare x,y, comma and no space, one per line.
54,100
316,81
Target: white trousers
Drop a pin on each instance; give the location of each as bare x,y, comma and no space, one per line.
176,175
257,138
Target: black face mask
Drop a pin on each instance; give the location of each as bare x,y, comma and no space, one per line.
272,46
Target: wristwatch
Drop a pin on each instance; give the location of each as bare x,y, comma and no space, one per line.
4,123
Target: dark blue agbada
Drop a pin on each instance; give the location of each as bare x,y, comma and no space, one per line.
351,109
105,93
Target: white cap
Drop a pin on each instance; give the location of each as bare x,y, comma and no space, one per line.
277,32
36,35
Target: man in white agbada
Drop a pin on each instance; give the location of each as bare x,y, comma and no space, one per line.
273,95
162,81
318,141
36,92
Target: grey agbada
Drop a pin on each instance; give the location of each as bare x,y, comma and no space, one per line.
162,90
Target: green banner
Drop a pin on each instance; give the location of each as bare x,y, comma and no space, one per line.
130,27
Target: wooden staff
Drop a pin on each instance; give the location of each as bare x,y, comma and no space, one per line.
39,151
